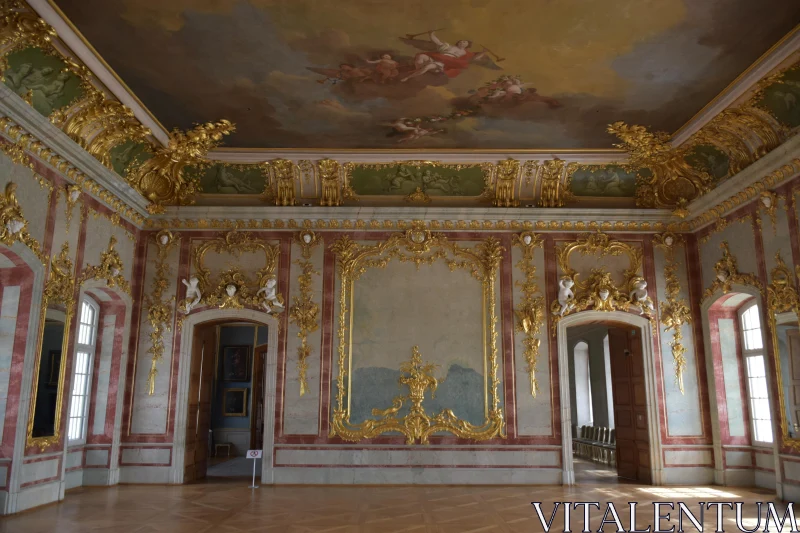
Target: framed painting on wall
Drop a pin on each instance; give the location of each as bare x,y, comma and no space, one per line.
236,363
234,402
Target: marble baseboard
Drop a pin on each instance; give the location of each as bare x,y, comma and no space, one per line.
694,475
417,476
740,477
73,479
37,495
765,480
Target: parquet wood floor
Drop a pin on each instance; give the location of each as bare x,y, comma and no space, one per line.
228,506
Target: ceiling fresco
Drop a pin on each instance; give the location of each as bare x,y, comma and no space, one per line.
473,74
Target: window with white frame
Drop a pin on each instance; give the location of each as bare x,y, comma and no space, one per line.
755,366
84,355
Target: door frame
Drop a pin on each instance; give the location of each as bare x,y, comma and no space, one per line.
182,398
650,384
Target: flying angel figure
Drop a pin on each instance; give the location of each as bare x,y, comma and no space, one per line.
439,56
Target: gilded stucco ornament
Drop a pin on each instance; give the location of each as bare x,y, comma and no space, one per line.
304,312
506,174
330,176
554,190
282,177
599,291
727,273
232,288
159,310
19,28
782,297
109,269
768,203
13,225
419,246
162,179
530,311
675,310
72,194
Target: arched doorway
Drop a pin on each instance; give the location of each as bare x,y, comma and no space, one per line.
643,331
192,333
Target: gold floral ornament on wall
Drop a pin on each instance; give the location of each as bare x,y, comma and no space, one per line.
675,311
727,273
159,310
530,311
109,269
418,246
13,226
304,311
163,179
233,289
599,291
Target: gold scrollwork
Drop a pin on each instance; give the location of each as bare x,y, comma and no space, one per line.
530,312
675,311
72,194
13,225
59,289
727,273
233,289
330,175
159,311
163,179
782,297
109,269
554,191
303,311
419,246
506,174
599,291
283,174
768,203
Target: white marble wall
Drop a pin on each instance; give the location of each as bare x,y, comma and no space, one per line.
9,307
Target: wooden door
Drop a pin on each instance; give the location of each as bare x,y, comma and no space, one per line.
630,407
793,344
257,409
198,417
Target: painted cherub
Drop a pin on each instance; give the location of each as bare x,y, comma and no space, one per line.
271,297
386,67
638,296
193,295
565,295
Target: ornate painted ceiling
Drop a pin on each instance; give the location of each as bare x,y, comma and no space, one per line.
475,74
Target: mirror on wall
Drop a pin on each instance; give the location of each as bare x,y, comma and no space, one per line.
48,380
787,333
44,420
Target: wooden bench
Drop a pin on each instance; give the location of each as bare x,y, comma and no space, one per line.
222,444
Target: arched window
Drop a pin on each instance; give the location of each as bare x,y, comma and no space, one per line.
82,378
583,385
755,366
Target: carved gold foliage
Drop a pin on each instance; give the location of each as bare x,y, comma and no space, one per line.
304,311
162,179
419,246
675,311
233,289
668,177
60,285
530,312
13,225
599,291
418,197
506,173
16,152
727,273
159,310
769,204
283,174
109,269
72,194
21,27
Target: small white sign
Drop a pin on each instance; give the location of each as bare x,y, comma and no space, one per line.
254,454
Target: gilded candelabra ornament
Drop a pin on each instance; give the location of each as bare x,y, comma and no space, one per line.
159,310
233,289
530,312
109,269
675,311
72,193
163,179
727,273
304,311
664,176
418,246
330,175
60,286
283,174
599,291
506,175
13,225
